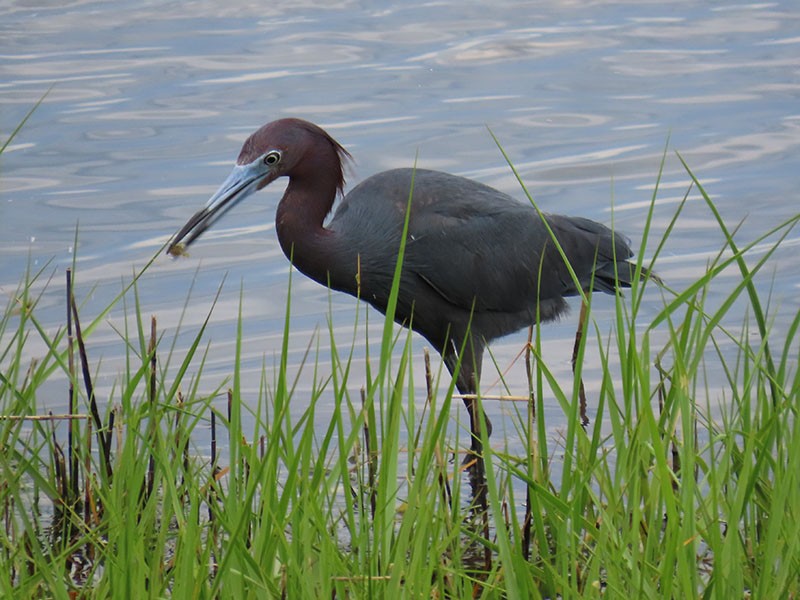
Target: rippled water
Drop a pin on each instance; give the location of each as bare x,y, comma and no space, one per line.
148,104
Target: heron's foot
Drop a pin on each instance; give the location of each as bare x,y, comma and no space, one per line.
476,477
475,452
472,456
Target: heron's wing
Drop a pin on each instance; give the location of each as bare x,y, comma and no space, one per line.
502,257
471,243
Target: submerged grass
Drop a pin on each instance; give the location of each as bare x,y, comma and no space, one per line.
679,487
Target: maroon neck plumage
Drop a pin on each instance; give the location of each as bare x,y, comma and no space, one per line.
315,178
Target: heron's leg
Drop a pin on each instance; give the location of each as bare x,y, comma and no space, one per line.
467,381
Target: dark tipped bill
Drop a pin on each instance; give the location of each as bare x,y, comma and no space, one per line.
242,182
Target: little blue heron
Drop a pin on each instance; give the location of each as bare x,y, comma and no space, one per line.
478,264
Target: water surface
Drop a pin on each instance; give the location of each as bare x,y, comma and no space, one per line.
149,102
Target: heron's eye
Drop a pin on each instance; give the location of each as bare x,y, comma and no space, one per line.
272,158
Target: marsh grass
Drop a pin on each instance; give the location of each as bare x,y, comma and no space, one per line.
672,489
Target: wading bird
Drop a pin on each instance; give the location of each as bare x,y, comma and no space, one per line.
478,264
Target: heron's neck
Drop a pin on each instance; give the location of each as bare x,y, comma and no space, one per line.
313,249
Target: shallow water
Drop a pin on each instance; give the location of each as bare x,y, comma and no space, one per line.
148,104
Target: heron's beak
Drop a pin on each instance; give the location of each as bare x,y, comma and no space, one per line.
241,183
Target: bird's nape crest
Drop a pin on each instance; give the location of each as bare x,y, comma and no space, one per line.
345,159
